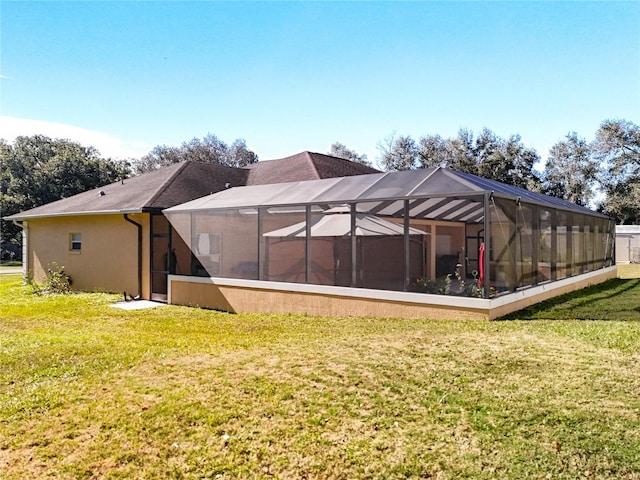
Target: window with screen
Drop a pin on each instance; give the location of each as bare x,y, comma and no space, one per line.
75,242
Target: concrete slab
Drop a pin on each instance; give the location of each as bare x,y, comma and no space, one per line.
137,305
10,271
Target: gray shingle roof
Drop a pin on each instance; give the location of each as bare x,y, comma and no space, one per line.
186,181
155,190
303,166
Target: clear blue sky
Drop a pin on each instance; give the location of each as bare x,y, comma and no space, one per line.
293,76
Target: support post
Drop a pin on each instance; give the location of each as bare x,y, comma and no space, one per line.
487,244
307,243
354,248
407,260
262,248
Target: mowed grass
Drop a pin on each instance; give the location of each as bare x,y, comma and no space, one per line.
89,391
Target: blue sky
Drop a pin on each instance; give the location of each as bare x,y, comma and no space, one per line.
293,76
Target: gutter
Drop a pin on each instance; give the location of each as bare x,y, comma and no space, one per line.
139,227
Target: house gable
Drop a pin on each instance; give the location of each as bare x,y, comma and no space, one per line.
304,166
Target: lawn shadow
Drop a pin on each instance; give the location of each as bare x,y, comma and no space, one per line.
579,299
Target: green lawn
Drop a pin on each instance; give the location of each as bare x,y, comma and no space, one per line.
89,391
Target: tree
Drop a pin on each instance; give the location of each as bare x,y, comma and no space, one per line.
617,149
622,202
37,170
570,172
455,153
490,161
433,152
461,152
520,162
488,156
238,155
398,153
341,151
209,149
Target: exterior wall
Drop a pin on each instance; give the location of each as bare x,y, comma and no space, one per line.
627,244
246,296
108,259
525,298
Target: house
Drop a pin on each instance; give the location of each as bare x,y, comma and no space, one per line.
115,238
315,234
428,243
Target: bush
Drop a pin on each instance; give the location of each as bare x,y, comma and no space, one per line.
448,285
56,282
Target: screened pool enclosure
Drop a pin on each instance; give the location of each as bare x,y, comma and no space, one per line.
434,231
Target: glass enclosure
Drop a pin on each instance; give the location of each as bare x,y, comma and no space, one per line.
449,239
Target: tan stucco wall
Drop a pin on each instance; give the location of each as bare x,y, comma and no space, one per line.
528,297
108,260
236,298
250,300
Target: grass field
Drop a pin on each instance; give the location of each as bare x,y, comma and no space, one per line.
88,391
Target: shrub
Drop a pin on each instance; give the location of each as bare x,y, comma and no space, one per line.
57,281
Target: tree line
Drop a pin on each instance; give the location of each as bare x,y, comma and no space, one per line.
37,170
605,171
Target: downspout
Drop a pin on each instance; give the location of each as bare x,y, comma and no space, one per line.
126,217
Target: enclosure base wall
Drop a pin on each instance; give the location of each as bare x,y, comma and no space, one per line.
513,302
239,299
249,296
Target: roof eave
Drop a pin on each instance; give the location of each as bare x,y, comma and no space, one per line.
21,218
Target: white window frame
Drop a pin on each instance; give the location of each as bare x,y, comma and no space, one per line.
75,242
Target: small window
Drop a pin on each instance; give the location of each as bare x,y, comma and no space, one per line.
76,242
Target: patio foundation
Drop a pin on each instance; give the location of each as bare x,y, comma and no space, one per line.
253,296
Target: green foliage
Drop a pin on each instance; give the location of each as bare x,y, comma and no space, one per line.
575,169
448,285
617,149
489,156
56,281
398,153
342,151
571,171
209,150
37,170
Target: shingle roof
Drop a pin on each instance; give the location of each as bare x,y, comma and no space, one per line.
195,180
155,190
186,181
304,166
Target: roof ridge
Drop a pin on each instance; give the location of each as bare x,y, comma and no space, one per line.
163,186
458,175
313,162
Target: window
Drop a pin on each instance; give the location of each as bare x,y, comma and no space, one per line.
75,244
